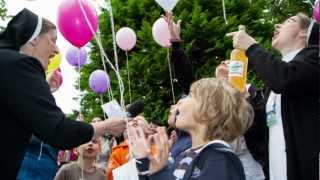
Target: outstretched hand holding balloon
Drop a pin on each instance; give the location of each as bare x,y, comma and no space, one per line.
174,27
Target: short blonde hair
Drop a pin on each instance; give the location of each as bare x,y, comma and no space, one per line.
223,108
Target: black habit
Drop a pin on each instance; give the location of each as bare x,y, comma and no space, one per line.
28,107
298,83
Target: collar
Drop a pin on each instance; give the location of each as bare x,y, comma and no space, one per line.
212,142
289,56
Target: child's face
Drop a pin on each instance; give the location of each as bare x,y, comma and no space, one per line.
172,115
185,119
90,149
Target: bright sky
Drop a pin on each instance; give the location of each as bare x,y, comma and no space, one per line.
48,9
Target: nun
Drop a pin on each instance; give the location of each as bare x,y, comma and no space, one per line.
292,106
26,103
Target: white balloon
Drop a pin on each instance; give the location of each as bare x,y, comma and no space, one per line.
161,33
126,38
167,5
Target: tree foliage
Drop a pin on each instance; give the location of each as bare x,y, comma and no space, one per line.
3,10
204,41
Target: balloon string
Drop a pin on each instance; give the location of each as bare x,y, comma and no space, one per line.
224,12
113,37
101,56
101,100
128,72
171,82
79,77
115,53
110,95
121,86
98,39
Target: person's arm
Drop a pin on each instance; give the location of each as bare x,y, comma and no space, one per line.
28,96
301,75
181,64
182,67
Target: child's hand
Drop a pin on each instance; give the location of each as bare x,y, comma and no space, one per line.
222,70
159,158
139,145
143,123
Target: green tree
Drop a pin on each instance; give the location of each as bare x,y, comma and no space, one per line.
203,32
3,10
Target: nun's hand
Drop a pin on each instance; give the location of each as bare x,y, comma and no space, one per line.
241,40
113,126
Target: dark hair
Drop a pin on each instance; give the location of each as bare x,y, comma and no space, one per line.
304,20
157,121
47,26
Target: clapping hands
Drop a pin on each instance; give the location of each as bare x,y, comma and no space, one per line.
155,147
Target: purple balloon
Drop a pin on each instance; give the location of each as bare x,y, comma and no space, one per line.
99,82
76,56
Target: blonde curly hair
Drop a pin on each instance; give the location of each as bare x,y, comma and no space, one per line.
222,108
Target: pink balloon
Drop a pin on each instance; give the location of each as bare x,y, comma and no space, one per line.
161,33
316,11
73,24
126,38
